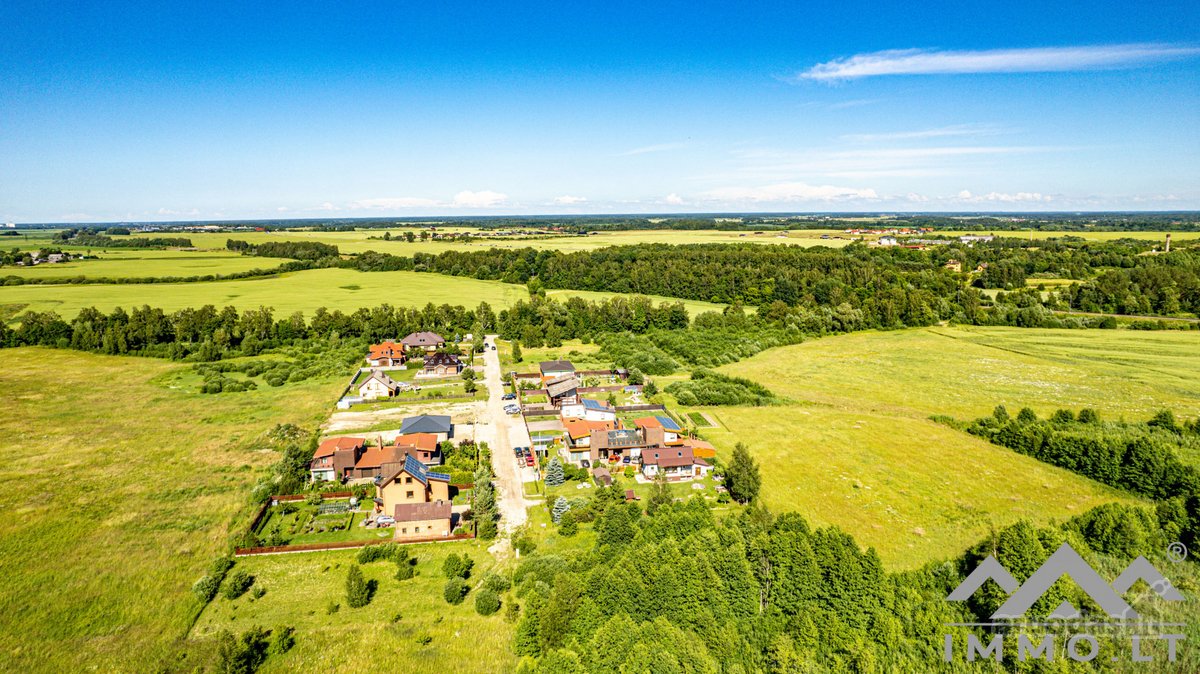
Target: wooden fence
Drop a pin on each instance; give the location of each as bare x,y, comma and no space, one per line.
343,545
300,497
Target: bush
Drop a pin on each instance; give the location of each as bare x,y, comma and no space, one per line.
282,640
358,590
457,566
455,591
487,602
206,588
237,584
374,553
406,569
712,388
496,582
568,526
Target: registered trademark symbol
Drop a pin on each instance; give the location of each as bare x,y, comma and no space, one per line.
1177,552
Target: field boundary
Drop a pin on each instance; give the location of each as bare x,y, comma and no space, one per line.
342,545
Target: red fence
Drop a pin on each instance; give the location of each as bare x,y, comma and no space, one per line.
344,545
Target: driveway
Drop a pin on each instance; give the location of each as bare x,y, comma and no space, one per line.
502,432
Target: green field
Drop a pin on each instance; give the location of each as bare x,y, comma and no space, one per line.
301,587
855,447
118,492
343,289
134,263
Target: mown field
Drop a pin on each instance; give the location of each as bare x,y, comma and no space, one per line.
134,263
855,446
343,289
117,492
385,635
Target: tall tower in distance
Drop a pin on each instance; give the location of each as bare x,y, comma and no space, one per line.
1168,242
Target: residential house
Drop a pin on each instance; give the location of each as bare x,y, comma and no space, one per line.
421,446
621,445
578,434
672,433
424,447
701,449
335,458
427,341
598,410
441,365
551,369
972,239
562,389
435,424
386,354
953,265
377,385
676,463
418,499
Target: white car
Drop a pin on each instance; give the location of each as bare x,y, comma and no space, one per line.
384,520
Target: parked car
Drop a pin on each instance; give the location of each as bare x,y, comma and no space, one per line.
509,396
493,347
528,460
625,460
385,520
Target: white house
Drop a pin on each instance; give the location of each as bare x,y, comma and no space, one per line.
376,386
597,410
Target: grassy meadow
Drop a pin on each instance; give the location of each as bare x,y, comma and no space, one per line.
854,446
118,491
135,263
385,635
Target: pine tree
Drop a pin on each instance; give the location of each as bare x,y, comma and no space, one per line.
660,494
516,354
554,473
560,507
485,505
742,477
358,593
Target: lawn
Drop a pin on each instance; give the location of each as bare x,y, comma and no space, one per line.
135,263
386,634
856,448
306,525
132,487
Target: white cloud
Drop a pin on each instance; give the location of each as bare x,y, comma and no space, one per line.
567,200
661,147
942,132
916,198
482,199
793,191
1005,197
171,213
384,204
673,199
1041,59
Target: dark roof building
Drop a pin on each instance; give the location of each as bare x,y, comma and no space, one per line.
424,340
422,512
551,368
426,423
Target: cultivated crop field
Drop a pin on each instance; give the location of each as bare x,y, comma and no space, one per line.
344,289
855,446
117,492
137,263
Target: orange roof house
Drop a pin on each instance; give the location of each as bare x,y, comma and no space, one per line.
335,458
386,354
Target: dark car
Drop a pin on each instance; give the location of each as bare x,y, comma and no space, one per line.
509,396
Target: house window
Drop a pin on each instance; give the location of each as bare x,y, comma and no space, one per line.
408,480
408,494
417,530
404,530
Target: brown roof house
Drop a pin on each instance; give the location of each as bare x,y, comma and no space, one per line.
429,341
676,463
555,368
562,389
335,458
385,354
418,499
377,385
441,365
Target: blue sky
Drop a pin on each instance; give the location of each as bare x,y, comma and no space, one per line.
179,111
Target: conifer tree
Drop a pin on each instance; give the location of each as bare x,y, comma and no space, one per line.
560,508
554,473
742,477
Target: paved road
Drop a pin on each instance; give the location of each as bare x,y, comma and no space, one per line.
503,432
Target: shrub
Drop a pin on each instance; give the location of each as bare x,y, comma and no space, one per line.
567,526
374,553
496,582
206,588
358,590
457,566
282,640
237,584
258,592
487,602
455,591
406,569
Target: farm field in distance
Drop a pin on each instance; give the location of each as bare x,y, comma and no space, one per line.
129,486
344,289
144,263
855,446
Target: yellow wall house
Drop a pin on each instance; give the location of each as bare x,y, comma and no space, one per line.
416,497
